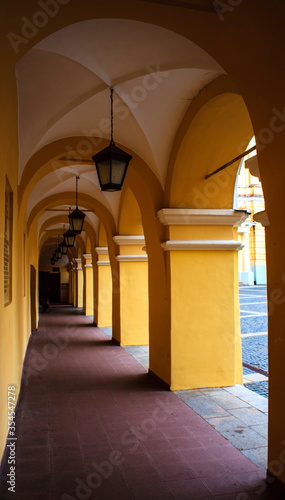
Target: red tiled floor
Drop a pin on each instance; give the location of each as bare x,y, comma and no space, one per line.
92,423
221,485
185,489
210,468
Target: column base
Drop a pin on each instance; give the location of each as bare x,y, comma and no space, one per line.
276,483
159,380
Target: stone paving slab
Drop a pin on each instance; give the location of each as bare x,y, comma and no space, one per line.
237,433
254,377
258,456
261,429
206,407
227,401
250,416
250,397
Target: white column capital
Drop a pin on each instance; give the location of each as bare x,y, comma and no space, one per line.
262,218
202,217
102,250
229,245
132,258
132,239
252,165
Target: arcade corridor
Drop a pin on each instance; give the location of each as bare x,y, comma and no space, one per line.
91,423
187,90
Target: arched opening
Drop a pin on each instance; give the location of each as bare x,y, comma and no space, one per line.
252,276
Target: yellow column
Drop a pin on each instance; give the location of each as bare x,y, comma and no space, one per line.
246,275
104,304
202,265
71,283
78,283
133,263
88,289
74,283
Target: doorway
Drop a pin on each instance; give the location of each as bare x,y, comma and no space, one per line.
49,286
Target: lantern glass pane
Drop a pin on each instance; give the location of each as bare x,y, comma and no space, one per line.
118,171
76,224
104,168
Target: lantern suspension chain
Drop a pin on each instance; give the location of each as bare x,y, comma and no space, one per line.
112,115
77,178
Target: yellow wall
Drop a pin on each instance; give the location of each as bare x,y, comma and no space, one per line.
130,218
215,135
15,317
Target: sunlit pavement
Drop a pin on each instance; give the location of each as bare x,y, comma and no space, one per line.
253,317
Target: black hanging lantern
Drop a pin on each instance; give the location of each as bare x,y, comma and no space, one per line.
69,238
52,261
112,162
76,218
63,248
57,253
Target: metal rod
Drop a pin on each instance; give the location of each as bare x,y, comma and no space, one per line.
63,210
112,113
77,177
239,157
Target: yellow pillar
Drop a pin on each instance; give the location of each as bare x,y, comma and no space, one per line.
245,273
202,265
104,303
74,283
71,283
134,314
78,283
88,289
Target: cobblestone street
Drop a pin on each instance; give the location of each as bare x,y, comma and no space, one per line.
253,317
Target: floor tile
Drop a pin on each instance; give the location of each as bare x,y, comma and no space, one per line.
221,485
206,408
185,489
196,455
152,489
250,416
176,471
185,442
210,468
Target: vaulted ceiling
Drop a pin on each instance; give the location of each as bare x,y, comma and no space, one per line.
64,86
